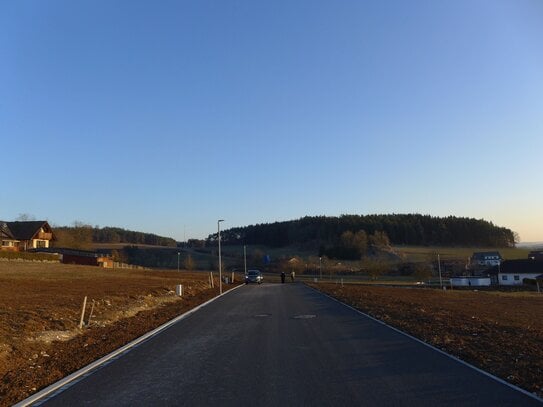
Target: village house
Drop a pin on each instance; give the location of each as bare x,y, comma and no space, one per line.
536,255
514,272
485,259
22,236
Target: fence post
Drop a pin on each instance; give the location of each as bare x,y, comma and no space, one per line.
90,315
83,313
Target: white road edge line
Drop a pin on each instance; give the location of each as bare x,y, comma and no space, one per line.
96,364
496,378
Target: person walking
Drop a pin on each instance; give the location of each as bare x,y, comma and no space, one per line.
282,277
292,275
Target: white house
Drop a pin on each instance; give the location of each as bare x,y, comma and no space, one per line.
470,281
486,259
513,272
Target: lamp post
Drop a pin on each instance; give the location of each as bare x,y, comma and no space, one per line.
320,267
245,259
178,259
220,264
439,269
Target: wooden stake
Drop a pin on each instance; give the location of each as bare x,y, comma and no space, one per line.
90,315
83,313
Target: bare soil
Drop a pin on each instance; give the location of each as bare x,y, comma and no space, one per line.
40,310
501,333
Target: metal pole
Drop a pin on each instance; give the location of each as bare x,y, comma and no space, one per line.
320,267
220,264
439,268
178,258
245,258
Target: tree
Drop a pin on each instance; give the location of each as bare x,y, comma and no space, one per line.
422,270
258,256
189,263
360,242
379,239
82,236
25,217
374,267
119,256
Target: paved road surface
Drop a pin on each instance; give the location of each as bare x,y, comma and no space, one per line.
285,344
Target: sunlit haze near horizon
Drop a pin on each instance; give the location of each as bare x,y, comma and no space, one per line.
164,117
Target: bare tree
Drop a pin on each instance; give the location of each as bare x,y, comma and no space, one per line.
189,263
423,270
25,217
374,267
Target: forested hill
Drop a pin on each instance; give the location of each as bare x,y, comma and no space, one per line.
82,236
406,229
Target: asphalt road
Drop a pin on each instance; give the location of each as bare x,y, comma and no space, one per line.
285,344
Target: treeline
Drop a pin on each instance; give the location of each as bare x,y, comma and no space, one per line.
81,236
118,235
401,229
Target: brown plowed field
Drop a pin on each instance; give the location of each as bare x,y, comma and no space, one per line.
40,310
501,333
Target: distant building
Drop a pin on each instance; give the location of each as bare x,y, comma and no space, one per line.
89,259
536,255
22,236
513,272
485,259
82,257
470,281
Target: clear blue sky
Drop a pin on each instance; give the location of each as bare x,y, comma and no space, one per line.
166,116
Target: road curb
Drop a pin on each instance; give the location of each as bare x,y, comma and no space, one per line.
71,379
490,375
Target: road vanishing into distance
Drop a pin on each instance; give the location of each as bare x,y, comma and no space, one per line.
286,345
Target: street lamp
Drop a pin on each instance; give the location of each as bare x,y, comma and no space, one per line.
245,259
439,269
178,259
220,264
320,267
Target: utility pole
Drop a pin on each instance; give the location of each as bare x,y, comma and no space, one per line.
320,267
220,264
245,258
439,269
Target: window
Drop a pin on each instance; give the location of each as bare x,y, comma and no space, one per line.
517,278
504,278
41,243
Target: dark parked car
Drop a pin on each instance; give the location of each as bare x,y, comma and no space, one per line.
253,276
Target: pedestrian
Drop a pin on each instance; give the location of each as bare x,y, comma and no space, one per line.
283,277
292,276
